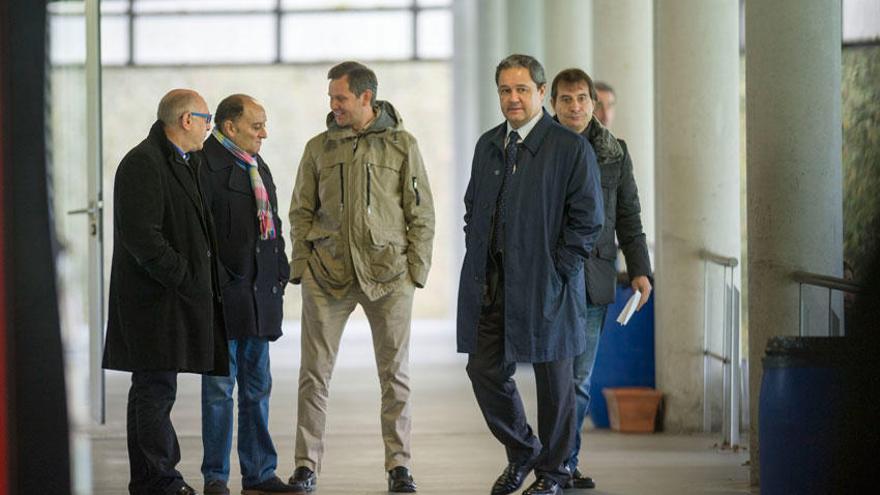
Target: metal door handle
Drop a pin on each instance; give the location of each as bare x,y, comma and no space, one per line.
92,209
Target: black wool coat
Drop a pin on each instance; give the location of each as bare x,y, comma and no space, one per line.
164,313
622,217
253,271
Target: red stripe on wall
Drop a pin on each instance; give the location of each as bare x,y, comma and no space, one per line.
4,405
4,135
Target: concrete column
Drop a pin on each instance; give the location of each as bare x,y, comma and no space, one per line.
696,50
466,108
525,27
491,47
623,57
568,35
795,219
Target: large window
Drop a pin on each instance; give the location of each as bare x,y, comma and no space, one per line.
212,32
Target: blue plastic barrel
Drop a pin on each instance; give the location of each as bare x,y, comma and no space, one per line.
800,414
625,357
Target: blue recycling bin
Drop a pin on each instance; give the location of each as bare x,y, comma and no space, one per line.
625,357
801,414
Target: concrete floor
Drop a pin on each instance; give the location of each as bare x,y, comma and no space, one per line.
453,452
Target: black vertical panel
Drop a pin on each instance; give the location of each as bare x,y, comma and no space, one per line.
38,443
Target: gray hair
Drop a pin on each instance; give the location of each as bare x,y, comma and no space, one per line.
604,86
176,103
536,70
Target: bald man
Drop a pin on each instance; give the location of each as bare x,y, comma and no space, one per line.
239,190
164,315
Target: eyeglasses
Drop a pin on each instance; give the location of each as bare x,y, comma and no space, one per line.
206,116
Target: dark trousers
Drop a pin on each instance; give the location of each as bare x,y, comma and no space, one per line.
153,451
500,402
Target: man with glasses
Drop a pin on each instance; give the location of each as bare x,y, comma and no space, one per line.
240,192
164,312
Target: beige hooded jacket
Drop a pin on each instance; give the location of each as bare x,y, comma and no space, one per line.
362,208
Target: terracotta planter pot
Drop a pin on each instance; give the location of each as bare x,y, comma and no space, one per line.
632,409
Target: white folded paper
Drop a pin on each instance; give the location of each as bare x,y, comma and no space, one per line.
630,308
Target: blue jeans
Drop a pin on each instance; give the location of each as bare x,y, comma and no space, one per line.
249,365
583,370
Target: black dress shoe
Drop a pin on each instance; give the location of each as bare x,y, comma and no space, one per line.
303,479
272,486
216,487
511,479
185,490
401,481
543,486
578,480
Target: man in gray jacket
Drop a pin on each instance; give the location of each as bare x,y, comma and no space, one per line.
362,229
573,97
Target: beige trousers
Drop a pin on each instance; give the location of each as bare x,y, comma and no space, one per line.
323,321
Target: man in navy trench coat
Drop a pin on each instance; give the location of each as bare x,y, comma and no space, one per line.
533,212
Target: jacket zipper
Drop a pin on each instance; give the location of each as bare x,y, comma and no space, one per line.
369,180
341,186
416,189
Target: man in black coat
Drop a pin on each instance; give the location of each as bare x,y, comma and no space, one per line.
573,97
240,194
164,313
533,211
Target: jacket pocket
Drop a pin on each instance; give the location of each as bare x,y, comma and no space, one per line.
331,185
605,248
328,258
387,254
228,277
553,292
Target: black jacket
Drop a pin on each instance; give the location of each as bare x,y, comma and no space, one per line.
622,215
163,314
253,272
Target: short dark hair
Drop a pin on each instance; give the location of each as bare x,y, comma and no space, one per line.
572,76
231,108
604,86
360,78
536,70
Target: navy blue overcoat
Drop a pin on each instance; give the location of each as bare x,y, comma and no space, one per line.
253,271
554,216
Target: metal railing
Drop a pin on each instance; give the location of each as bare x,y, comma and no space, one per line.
827,282
730,352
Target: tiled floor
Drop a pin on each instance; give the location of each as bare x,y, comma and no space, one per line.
453,451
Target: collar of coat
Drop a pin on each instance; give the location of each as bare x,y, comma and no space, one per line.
218,157
386,118
536,136
157,136
605,145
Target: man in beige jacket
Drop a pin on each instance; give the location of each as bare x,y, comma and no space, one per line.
362,227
